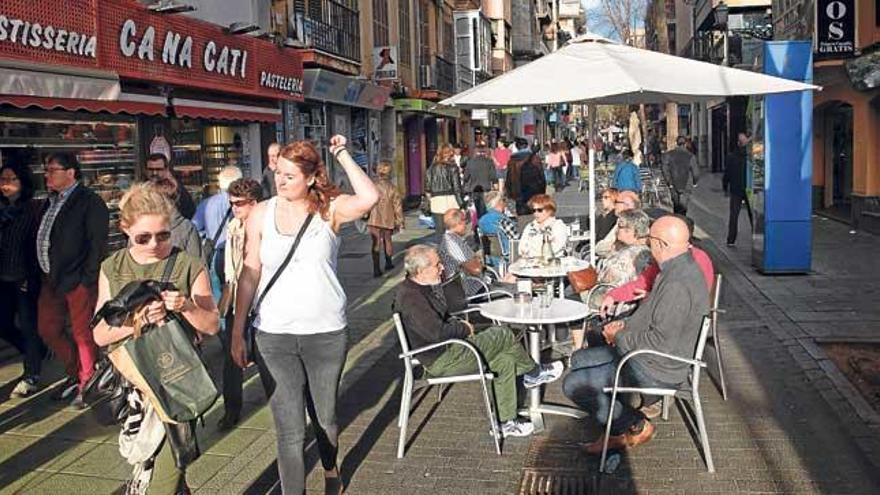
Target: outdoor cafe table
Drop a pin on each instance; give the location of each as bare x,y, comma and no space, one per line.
535,317
529,269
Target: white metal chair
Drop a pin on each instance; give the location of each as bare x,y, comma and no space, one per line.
714,311
693,391
410,384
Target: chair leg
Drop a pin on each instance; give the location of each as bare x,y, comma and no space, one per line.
704,435
404,416
490,413
716,342
607,431
439,393
667,400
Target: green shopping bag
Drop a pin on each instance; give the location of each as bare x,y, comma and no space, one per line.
163,364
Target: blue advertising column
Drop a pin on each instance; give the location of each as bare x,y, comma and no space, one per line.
782,240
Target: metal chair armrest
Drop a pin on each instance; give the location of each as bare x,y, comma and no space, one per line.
470,347
488,295
474,309
631,354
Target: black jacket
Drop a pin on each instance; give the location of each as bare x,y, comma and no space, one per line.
185,204
268,183
78,240
18,235
443,180
426,319
734,180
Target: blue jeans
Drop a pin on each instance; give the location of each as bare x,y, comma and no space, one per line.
592,369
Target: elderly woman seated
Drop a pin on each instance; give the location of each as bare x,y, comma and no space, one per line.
629,258
531,243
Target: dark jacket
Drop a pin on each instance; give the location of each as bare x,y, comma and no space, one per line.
185,204
18,235
680,168
524,180
482,174
185,236
268,183
443,180
668,320
78,240
734,179
604,224
426,319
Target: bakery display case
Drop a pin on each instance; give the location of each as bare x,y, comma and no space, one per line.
105,150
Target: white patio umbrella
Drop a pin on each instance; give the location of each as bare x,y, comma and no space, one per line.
595,70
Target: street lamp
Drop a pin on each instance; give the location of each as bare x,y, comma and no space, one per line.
721,11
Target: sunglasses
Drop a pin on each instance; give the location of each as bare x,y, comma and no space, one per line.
145,237
662,242
241,202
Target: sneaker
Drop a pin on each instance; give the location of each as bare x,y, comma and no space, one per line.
78,402
517,428
26,387
548,373
652,411
67,390
731,244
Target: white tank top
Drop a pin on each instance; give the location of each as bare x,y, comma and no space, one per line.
307,298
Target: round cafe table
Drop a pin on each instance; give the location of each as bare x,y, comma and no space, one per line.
535,317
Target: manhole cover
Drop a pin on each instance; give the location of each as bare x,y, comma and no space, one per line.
554,482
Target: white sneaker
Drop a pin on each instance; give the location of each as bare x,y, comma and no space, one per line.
514,428
25,387
549,373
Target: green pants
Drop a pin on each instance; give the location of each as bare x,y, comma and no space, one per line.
167,477
505,357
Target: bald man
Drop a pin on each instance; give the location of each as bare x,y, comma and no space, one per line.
668,320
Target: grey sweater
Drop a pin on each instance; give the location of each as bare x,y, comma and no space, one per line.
668,320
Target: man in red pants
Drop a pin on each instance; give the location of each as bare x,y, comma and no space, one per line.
70,246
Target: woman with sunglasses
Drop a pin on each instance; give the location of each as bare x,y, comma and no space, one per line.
19,273
145,217
531,242
300,323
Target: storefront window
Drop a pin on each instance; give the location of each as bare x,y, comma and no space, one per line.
104,149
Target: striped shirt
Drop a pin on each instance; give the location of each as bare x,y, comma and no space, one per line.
453,253
56,201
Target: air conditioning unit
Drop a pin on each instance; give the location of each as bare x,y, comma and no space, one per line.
426,76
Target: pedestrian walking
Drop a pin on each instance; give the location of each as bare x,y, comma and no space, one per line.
734,184
211,217
626,174
681,172
303,344
184,234
157,165
145,217
577,157
501,157
385,219
481,177
19,273
71,239
268,183
244,194
443,187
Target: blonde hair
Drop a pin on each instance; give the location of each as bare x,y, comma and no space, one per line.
383,170
445,154
143,199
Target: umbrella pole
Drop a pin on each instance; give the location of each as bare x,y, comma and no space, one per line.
592,188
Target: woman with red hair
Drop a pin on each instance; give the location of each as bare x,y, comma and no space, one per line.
300,318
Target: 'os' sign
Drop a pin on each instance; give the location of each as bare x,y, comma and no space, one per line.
835,28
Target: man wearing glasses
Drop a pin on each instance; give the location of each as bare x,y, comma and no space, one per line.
668,320
70,245
158,166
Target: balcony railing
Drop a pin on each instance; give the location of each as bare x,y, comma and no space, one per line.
333,28
439,75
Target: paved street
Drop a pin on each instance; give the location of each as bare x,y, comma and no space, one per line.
791,424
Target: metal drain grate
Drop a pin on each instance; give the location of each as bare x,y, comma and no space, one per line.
554,482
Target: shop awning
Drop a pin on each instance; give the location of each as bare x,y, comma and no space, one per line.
127,103
214,110
425,106
57,82
325,85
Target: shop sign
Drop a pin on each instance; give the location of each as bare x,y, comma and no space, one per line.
835,28
385,63
480,114
324,85
126,38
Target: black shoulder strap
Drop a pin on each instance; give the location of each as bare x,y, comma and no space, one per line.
169,265
284,263
220,228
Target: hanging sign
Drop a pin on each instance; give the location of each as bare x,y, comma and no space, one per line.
835,28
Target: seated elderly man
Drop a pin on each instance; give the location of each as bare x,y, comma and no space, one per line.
668,320
425,315
457,255
625,201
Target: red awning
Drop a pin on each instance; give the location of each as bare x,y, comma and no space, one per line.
127,103
213,110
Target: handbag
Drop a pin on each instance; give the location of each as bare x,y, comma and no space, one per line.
161,362
208,245
582,280
249,332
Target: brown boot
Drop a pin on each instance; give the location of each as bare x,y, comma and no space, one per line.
639,433
615,442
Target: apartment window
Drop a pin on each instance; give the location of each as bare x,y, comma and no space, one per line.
380,22
448,39
424,33
405,49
